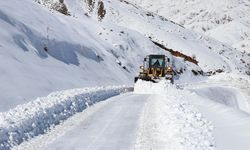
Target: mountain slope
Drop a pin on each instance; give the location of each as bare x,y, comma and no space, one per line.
46,50
75,55
43,50
173,36
223,20
51,45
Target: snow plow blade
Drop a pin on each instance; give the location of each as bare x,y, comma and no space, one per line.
145,79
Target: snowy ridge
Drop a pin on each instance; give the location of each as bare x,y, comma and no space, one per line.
36,117
170,122
175,37
224,20
197,14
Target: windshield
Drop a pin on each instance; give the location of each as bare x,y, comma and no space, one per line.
157,62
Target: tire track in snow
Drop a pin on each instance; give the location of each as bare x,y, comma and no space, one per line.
111,128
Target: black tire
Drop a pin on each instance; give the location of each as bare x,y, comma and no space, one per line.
172,80
135,80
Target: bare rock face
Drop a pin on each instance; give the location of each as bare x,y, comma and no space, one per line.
90,4
96,7
61,7
101,10
57,5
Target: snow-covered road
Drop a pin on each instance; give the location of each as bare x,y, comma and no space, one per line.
112,127
37,117
140,120
154,116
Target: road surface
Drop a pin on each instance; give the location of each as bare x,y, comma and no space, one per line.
112,127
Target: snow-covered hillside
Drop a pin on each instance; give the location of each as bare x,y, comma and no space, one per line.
211,54
44,51
85,45
224,20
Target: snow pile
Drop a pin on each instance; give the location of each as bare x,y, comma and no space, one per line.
232,125
228,89
170,122
181,124
36,117
144,87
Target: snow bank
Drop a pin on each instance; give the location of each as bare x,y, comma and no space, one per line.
170,122
228,89
231,126
36,117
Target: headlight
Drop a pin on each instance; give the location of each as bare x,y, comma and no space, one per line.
142,67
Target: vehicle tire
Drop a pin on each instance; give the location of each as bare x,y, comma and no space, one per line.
172,80
135,80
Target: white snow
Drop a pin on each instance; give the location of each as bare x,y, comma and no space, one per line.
170,122
222,99
42,50
133,121
36,117
224,20
76,56
231,126
85,52
81,51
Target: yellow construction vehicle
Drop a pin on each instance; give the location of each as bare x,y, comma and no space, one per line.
155,68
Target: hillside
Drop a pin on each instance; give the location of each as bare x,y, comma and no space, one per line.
43,50
175,37
226,20
48,50
68,66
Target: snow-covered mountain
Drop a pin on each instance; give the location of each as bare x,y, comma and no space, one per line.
85,45
43,50
178,38
93,44
224,20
